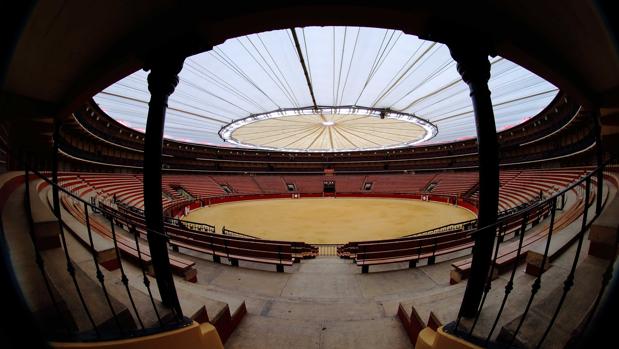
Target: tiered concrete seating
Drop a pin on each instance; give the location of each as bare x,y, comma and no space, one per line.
75,184
126,188
197,185
271,184
454,183
239,184
517,187
508,175
126,245
504,178
62,286
528,185
307,184
400,183
413,249
166,189
513,252
349,183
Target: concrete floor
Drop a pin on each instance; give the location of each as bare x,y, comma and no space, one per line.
321,303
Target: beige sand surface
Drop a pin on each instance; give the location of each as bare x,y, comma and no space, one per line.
330,220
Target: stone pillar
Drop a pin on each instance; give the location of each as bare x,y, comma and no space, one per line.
56,140
600,161
162,81
474,67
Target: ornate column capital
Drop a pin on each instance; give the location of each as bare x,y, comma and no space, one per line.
472,61
163,76
469,47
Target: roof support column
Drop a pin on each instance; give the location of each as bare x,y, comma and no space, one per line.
599,151
474,67
162,81
56,140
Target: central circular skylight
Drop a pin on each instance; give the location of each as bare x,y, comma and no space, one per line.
302,69
328,130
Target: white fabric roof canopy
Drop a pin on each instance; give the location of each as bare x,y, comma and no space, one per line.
369,67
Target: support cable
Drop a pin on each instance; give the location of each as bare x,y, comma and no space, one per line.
307,77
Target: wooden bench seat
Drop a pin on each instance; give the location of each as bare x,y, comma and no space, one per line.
180,266
280,255
300,250
411,242
351,249
234,248
413,251
237,248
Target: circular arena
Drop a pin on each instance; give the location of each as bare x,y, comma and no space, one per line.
330,220
308,175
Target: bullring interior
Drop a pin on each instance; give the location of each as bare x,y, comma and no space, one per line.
309,175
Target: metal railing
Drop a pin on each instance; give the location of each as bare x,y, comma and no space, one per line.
327,249
588,212
225,231
115,326
124,209
459,226
472,223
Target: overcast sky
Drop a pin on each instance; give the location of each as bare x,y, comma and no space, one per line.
348,66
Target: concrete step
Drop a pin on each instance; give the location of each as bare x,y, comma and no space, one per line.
266,332
83,260
60,281
193,297
92,293
443,303
28,274
580,298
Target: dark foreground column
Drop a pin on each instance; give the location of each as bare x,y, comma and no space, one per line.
162,81
599,151
55,195
474,67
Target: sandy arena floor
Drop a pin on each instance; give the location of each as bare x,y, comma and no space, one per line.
330,220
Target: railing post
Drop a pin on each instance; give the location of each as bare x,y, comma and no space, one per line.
432,258
474,67
162,81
